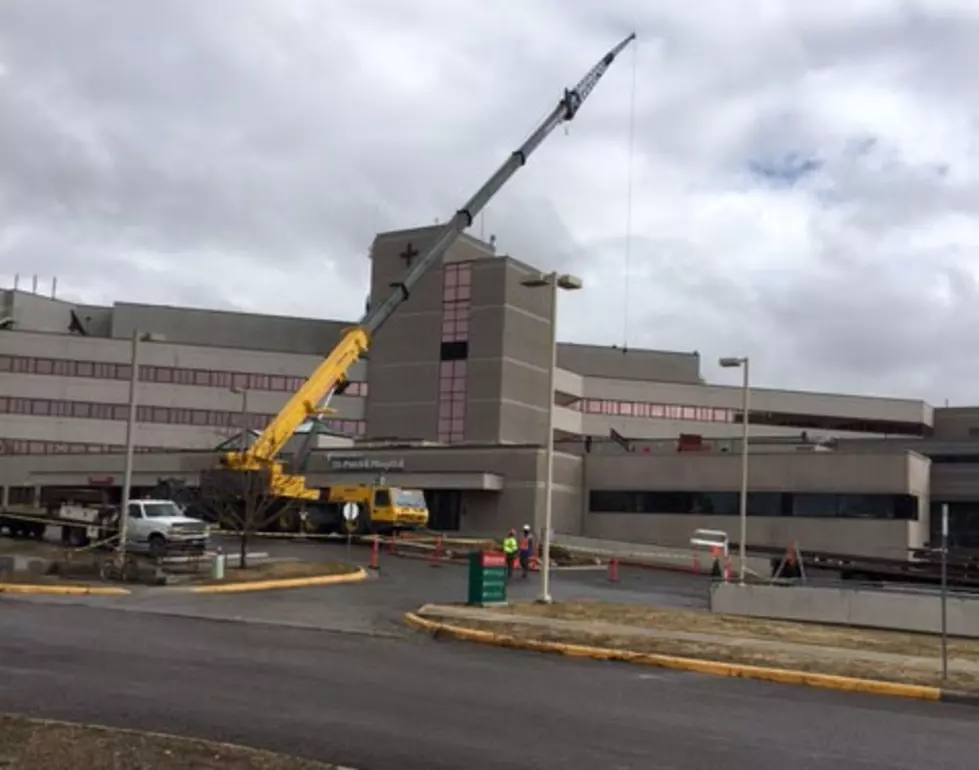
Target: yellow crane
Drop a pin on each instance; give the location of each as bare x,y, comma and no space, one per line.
330,376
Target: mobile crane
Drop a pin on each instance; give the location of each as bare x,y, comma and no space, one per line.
330,377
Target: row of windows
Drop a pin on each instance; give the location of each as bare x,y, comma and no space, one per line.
654,411
169,375
452,401
718,414
20,446
456,301
453,374
801,504
216,418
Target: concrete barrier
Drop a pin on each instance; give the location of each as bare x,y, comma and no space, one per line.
655,554
899,610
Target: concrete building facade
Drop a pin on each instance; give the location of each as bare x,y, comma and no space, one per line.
454,399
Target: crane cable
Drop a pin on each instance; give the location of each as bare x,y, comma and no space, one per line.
628,216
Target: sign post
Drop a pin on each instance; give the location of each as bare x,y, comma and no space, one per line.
350,513
944,591
487,578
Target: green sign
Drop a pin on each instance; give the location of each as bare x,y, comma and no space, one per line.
487,578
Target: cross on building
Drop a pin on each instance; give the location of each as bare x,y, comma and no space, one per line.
408,254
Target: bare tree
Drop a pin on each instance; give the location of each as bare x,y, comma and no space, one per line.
241,501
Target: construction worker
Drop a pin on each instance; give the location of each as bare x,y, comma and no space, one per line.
510,551
526,549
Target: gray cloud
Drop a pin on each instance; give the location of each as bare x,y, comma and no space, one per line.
231,153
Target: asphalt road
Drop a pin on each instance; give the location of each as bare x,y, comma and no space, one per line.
377,605
412,704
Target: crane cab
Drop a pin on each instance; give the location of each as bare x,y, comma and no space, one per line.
383,508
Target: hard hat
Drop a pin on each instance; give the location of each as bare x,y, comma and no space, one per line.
526,528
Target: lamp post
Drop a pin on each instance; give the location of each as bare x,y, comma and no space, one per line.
734,363
127,474
554,281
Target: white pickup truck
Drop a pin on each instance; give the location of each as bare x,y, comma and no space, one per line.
161,527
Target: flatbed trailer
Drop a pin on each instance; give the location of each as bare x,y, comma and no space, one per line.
922,565
80,525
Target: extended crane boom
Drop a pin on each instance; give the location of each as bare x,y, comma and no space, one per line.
332,372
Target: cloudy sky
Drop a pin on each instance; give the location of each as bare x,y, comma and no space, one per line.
804,174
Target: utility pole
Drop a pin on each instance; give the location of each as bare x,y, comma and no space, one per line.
944,591
127,476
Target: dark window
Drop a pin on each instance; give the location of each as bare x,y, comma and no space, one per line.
814,505
905,507
769,504
455,351
382,498
865,506
963,458
608,501
717,503
798,504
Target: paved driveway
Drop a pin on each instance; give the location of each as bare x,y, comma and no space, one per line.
376,606
418,704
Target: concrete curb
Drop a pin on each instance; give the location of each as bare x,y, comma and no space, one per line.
32,589
356,576
962,698
693,665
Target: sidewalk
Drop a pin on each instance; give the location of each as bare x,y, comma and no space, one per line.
735,644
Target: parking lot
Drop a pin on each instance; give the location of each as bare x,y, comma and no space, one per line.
376,605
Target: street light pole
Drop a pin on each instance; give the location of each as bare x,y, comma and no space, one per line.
944,628
743,501
243,439
742,362
127,475
545,575
553,281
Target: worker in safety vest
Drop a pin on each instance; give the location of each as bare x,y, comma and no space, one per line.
526,549
510,551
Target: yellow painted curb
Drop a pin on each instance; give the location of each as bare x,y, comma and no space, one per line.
699,666
53,590
273,585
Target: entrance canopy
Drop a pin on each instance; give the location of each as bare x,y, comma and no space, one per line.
474,481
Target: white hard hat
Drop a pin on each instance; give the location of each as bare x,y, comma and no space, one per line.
526,527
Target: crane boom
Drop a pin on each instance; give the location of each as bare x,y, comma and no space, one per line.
565,111
331,375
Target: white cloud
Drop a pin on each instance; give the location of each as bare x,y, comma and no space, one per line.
805,174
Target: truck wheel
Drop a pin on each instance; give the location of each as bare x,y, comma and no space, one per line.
364,524
158,546
77,537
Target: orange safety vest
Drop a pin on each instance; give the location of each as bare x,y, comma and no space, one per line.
525,543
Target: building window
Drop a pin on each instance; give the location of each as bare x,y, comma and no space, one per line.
201,378
640,409
795,504
452,401
454,352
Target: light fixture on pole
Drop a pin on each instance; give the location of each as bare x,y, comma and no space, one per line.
733,363
566,282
